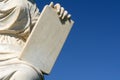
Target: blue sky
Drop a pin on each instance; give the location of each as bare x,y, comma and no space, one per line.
92,50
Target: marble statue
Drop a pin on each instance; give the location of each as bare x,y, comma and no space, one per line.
17,19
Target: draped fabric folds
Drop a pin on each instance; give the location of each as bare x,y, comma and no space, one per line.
17,17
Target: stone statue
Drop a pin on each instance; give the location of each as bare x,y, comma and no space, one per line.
17,19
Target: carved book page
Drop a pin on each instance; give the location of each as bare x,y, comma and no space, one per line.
46,40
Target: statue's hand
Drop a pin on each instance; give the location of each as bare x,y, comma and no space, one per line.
60,10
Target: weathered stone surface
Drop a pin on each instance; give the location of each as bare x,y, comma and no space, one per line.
46,40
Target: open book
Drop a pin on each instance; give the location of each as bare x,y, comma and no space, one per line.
46,40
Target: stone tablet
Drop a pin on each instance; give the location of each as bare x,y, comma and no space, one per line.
46,40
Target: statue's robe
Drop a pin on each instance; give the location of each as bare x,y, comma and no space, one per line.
17,17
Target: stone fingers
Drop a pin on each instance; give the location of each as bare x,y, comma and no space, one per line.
69,16
58,8
62,13
51,4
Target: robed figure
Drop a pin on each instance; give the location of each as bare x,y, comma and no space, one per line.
17,19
